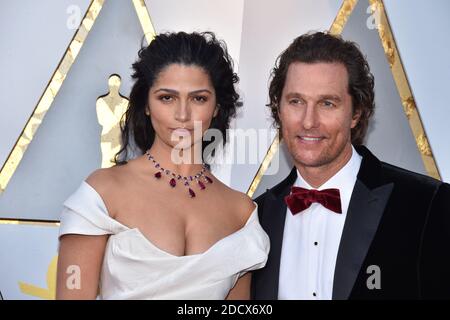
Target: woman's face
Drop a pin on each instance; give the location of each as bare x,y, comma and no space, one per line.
182,98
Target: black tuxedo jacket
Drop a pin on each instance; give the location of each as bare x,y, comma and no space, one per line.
397,220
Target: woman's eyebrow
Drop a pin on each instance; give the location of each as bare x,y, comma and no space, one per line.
176,92
200,91
166,90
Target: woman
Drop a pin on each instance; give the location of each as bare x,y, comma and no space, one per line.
156,227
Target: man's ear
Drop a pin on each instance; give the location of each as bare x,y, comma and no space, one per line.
355,118
278,110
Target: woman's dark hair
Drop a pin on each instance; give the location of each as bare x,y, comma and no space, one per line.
324,47
198,49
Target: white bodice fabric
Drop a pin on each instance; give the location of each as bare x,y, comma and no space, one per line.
134,268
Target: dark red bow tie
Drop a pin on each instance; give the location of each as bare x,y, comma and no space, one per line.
301,199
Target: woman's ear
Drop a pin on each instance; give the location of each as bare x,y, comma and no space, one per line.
216,110
147,110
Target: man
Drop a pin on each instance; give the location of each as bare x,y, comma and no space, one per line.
372,230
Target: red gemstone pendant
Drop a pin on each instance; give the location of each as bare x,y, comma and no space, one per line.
184,180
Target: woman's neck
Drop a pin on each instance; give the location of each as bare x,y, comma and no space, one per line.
186,162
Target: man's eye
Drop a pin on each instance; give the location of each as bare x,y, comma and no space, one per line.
295,101
328,104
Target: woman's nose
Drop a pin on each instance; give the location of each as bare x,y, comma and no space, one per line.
182,112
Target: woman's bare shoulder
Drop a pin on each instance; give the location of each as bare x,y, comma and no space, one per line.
240,201
103,179
107,183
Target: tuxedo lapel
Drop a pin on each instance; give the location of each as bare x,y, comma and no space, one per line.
367,204
272,220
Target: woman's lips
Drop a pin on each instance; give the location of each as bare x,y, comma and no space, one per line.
181,131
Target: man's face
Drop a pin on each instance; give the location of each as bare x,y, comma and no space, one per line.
316,114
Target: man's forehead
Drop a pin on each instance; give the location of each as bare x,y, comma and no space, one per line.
298,67
322,78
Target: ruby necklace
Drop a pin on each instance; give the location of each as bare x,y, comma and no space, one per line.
182,179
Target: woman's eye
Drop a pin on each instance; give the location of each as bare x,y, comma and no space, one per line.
200,99
165,98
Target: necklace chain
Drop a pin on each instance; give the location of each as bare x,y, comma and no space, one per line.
200,178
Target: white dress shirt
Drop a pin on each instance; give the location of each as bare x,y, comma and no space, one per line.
311,240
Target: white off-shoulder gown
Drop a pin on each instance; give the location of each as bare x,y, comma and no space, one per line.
134,268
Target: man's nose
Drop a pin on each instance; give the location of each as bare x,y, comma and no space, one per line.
310,117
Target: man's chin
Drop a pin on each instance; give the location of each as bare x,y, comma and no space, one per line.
311,162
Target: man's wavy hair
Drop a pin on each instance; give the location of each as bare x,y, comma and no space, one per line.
324,47
197,49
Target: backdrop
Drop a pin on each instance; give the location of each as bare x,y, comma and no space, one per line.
59,107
